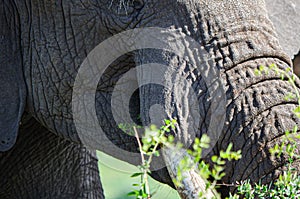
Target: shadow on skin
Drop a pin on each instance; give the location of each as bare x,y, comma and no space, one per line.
296,63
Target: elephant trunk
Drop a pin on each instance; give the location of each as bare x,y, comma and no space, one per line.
238,39
241,40
258,115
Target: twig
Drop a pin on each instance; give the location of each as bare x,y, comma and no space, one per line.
145,174
140,144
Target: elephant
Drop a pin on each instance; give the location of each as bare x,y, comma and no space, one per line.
296,63
44,43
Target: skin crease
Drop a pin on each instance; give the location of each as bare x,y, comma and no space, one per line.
56,36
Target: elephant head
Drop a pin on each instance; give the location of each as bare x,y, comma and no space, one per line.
47,43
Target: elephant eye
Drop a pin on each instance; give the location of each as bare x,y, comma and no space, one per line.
137,4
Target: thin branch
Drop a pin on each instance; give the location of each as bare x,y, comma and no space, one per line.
140,144
145,170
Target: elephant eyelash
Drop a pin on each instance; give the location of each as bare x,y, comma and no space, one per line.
125,7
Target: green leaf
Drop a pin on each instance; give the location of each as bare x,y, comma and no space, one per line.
257,72
156,153
272,66
288,69
261,68
171,138
136,174
297,111
167,122
295,129
214,158
133,193
229,147
289,96
135,185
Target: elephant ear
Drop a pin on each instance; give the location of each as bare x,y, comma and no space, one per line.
285,15
12,86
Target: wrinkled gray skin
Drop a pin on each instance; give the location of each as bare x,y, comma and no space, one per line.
43,44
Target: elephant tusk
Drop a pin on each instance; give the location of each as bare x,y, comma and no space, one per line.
192,184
